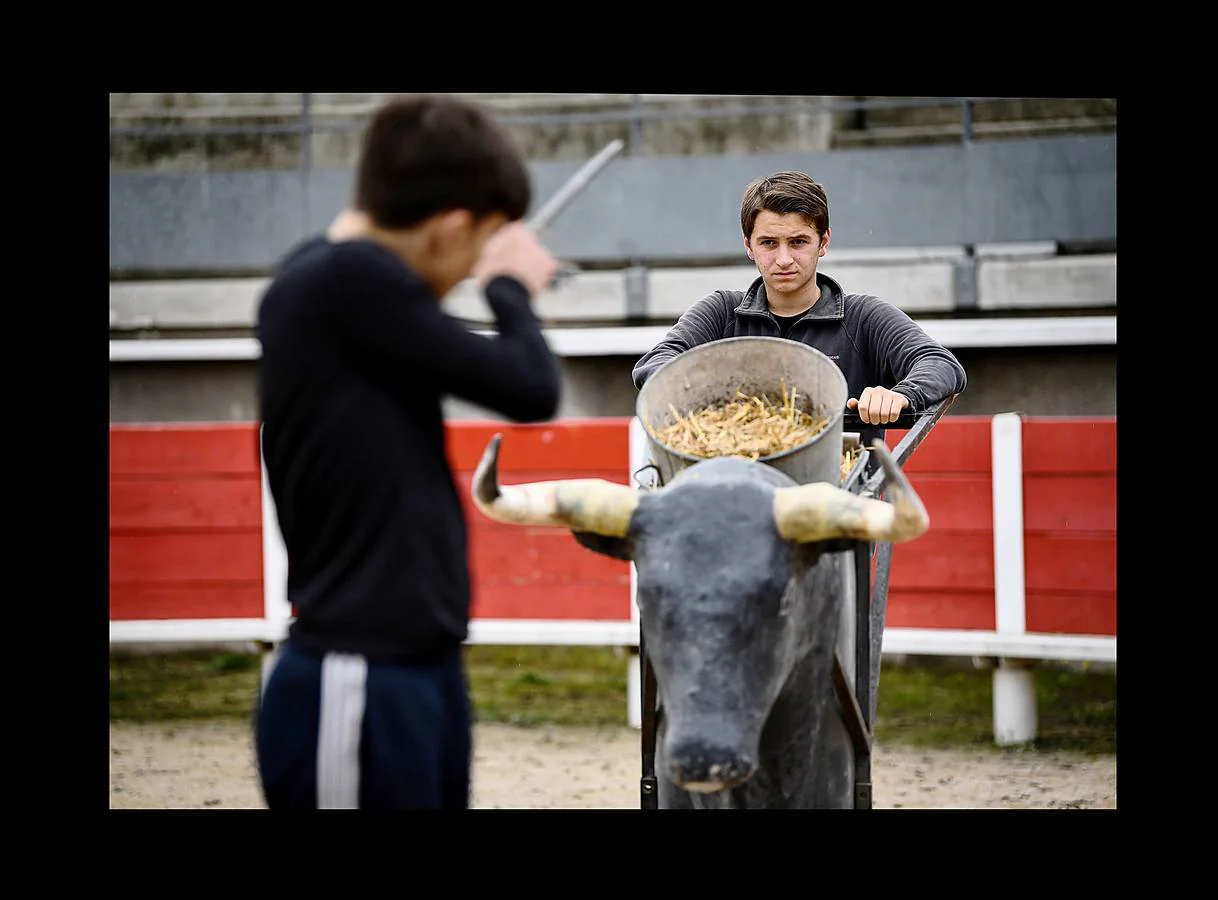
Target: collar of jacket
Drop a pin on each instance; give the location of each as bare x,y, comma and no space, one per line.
829,306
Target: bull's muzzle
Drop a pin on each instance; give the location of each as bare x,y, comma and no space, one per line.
704,768
804,513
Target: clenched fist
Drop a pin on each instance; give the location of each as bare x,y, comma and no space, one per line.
515,250
878,406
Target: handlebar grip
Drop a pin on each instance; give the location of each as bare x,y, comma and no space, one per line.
905,420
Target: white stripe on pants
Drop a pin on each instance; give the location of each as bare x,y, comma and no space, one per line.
344,678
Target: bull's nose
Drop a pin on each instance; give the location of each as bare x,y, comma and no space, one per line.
699,766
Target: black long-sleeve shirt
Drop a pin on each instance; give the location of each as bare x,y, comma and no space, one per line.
872,341
356,355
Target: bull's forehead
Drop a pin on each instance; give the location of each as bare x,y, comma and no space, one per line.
698,526
689,502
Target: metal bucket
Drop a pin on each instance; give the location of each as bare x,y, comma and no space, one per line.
711,374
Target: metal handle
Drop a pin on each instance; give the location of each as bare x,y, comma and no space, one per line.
565,194
852,422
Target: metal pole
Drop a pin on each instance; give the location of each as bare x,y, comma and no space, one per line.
863,664
573,185
636,124
306,159
649,790
966,120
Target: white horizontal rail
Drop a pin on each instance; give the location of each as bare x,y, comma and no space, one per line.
1082,331
1029,645
481,631
1017,332
557,632
190,631
185,350
896,641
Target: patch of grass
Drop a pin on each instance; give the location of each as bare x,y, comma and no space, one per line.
942,703
517,685
182,684
548,685
927,703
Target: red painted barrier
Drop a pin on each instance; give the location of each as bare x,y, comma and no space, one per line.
542,573
186,520
945,579
1070,525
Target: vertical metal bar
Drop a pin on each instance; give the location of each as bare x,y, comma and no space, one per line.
879,608
966,120
862,667
306,159
635,281
636,125
862,627
649,796
964,281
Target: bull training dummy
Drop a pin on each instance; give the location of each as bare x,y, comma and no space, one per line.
742,590
366,705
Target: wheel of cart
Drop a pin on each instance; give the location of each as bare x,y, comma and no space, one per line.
858,700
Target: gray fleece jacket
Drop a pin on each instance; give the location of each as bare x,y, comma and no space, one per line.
872,341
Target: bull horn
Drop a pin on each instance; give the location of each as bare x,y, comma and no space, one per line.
581,504
818,512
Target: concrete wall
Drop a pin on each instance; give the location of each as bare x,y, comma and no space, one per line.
667,210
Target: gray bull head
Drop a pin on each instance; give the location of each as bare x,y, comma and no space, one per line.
731,597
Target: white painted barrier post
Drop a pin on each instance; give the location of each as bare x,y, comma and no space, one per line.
1014,702
1014,682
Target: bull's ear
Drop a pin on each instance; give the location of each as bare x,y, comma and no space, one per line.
616,547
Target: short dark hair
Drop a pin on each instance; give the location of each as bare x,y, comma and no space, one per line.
428,153
782,193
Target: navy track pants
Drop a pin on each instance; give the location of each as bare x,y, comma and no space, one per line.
340,731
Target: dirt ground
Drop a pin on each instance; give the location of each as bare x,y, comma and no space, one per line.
210,766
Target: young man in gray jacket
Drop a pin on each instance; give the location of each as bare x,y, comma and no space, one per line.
890,363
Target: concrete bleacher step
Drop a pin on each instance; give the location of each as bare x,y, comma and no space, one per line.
922,281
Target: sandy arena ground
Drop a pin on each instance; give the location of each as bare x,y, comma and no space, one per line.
210,766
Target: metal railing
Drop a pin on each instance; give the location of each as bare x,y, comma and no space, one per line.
310,118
